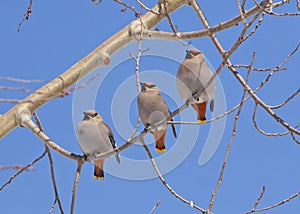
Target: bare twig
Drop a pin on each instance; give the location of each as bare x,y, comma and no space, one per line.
96,1
166,13
259,69
220,179
53,206
260,130
25,120
14,89
26,15
23,169
147,8
136,71
17,167
56,200
260,197
126,6
287,100
191,203
52,95
275,205
75,185
22,80
242,11
255,28
233,70
294,138
155,207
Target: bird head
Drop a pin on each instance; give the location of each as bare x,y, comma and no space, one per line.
149,86
192,53
92,115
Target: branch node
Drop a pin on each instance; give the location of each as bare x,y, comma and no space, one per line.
104,58
135,29
22,115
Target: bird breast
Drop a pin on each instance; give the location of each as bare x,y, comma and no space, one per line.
152,109
91,139
192,77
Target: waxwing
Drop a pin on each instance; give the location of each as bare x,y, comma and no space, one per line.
95,136
152,110
192,76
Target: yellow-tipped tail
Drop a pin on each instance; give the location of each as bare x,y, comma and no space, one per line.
160,150
202,121
98,178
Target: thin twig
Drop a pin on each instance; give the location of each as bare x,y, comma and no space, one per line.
57,200
126,6
220,179
14,89
242,11
75,185
53,206
260,197
23,169
26,15
287,100
17,167
51,96
259,69
294,138
191,203
275,205
166,13
226,60
260,130
147,8
96,1
22,80
155,207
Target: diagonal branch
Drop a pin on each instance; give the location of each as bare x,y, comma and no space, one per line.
75,185
237,116
191,203
23,169
275,205
98,57
51,167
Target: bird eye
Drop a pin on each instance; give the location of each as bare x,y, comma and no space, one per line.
95,114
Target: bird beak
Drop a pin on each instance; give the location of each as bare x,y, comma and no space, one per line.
86,116
143,88
188,55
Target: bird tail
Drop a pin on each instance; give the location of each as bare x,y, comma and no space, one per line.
212,105
98,170
160,140
174,129
118,158
201,111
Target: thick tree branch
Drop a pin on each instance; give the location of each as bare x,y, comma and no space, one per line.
98,57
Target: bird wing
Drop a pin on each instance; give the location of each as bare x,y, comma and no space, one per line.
112,140
173,128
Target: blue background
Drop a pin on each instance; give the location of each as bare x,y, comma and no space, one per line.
59,33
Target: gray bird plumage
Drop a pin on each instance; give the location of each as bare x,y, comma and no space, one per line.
95,136
192,76
152,110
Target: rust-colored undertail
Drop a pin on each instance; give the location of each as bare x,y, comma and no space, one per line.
98,170
160,140
201,111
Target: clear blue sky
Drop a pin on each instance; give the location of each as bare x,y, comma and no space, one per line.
59,33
